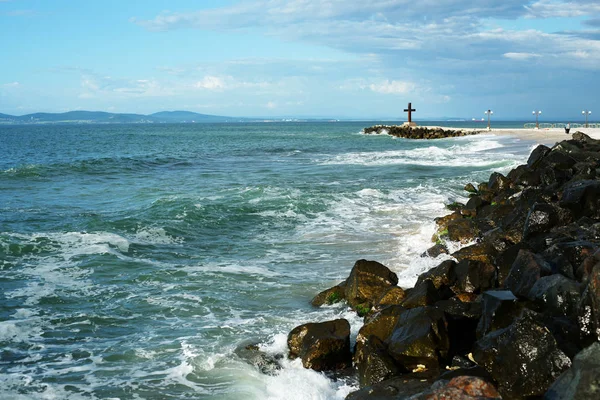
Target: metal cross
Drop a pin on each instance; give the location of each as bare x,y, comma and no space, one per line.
409,110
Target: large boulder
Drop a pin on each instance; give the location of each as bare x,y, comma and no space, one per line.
420,338
527,268
582,198
582,380
474,276
460,388
367,282
523,358
330,296
400,387
423,294
322,346
556,295
537,155
392,296
542,217
374,364
380,325
499,309
589,308
462,230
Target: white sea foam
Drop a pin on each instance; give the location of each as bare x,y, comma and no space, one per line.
466,153
155,235
55,269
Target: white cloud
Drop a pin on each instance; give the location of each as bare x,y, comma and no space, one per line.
393,87
271,105
561,9
211,83
11,85
521,56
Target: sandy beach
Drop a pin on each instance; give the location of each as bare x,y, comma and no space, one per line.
546,136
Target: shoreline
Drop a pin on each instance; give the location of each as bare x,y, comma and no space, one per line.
548,136
529,274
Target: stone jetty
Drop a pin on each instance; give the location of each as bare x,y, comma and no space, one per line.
417,132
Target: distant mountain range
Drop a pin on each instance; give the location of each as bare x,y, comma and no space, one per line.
99,117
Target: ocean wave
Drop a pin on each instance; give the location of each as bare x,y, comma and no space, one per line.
468,153
98,166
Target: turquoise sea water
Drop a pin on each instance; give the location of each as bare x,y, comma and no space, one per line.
135,259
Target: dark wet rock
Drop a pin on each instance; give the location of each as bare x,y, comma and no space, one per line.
442,276
322,346
423,294
330,296
474,203
266,363
585,170
380,324
455,206
537,155
582,198
513,225
462,230
417,132
442,222
474,277
577,251
470,188
462,318
558,261
499,310
482,252
393,296
420,337
585,268
435,251
402,387
542,217
556,295
527,268
589,308
565,331
460,388
505,260
498,182
523,358
373,363
582,380
367,282
559,160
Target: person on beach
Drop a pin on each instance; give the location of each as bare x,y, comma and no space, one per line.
567,127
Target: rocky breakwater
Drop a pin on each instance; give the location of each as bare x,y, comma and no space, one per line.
515,313
417,132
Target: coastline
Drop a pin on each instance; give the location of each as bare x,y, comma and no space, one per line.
542,136
529,273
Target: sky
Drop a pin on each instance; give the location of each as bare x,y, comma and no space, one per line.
357,59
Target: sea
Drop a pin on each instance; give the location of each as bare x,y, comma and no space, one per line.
138,261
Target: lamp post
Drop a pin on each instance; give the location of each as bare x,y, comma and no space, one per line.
537,124
488,112
586,113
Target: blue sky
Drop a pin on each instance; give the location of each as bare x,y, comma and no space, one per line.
305,58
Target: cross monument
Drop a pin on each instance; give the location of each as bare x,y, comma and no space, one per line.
409,110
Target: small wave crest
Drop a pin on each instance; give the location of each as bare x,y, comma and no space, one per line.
465,153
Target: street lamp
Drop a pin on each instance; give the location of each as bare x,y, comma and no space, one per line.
586,113
536,113
488,112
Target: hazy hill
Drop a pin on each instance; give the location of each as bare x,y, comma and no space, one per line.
188,116
100,117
